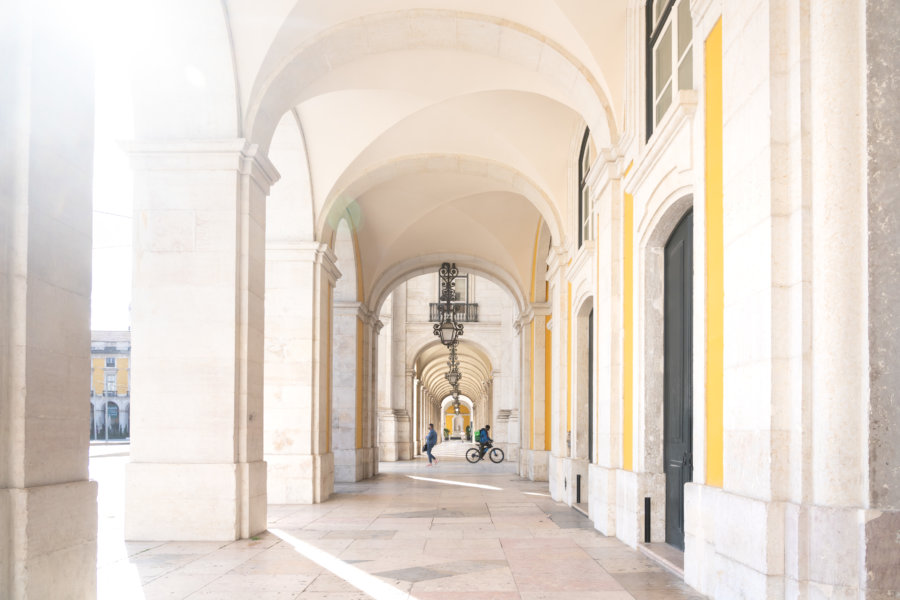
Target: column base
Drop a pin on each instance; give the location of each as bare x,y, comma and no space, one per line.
189,502
602,499
534,464
300,478
631,489
48,541
355,465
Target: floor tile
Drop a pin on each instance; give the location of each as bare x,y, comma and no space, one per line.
434,538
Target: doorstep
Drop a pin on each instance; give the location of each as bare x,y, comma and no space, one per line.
669,557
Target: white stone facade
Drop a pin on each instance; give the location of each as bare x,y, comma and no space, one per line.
303,169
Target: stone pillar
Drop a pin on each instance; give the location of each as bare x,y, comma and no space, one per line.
558,299
298,371
393,415
48,508
883,60
347,413
419,425
371,328
197,469
839,300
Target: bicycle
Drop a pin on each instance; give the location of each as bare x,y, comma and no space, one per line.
495,454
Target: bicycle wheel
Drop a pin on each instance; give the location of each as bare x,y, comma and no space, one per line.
496,455
472,455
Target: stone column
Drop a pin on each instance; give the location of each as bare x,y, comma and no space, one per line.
197,469
839,300
371,329
48,508
883,60
418,426
298,371
558,299
347,414
394,415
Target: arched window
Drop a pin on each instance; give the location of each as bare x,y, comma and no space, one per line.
669,55
584,202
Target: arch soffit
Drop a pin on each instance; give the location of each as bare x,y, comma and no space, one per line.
428,264
279,90
507,177
476,365
463,399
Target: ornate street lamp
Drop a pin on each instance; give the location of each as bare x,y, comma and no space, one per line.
453,375
447,329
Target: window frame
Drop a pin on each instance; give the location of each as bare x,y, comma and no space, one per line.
583,190
655,28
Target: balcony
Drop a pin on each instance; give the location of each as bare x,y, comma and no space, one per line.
464,312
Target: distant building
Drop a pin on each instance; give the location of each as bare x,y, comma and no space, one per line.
110,385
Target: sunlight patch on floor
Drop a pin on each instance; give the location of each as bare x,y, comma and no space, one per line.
364,582
462,483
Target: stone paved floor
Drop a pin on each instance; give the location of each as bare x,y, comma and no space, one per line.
413,532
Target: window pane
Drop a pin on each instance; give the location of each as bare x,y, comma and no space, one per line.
658,8
662,104
684,26
686,72
585,212
663,60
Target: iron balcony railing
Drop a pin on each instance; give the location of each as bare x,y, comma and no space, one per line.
464,312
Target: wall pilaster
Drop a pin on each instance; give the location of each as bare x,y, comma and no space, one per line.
48,507
298,371
197,315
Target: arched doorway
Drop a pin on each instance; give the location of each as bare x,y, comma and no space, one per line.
678,382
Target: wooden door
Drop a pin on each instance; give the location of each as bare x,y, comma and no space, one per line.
678,386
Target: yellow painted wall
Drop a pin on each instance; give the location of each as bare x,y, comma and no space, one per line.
548,386
533,407
715,287
464,413
537,237
628,335
99,364
122,376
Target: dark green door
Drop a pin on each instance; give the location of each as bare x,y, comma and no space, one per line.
677,393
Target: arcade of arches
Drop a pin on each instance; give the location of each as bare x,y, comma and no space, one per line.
678,218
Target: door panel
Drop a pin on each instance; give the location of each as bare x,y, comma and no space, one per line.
590,386
678,384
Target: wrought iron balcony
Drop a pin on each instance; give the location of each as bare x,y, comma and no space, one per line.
464,312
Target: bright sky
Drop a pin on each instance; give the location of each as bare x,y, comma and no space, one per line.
111,289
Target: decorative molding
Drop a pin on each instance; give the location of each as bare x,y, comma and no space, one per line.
679,118
203,155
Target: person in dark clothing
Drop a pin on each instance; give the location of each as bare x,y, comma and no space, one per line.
484,440
430,441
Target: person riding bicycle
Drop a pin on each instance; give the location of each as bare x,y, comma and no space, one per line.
484,440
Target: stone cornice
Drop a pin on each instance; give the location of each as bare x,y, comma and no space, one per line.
203,155
556,260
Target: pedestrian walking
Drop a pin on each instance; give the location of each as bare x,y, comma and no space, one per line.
430,441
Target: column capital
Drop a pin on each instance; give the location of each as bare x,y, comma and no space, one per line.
535,309
355,308
203,155
557,260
